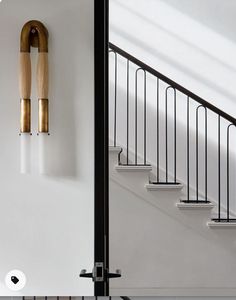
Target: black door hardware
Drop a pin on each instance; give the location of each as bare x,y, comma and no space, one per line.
99,274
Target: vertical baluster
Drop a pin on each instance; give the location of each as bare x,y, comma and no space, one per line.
197,154
166,133
158,137
227,206
175,135
127,154
219,170
188,149
228,174
136,118
115,100
145,119
206,155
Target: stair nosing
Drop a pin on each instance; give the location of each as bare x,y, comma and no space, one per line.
133,168
195,205
115,149
153,187
213,224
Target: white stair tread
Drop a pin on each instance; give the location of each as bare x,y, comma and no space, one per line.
163,187
214,224
133,168
115,149
184,205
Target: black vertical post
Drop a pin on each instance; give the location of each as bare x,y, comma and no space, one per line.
101,172
127,135
219,167
188,146
158,136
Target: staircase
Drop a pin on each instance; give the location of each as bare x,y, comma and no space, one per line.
172,186
175,142
164,246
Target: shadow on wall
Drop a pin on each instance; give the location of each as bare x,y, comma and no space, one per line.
63,159
153,51
210,13
68,103
172,34
191,55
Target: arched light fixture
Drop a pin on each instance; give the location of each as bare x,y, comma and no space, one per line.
34,34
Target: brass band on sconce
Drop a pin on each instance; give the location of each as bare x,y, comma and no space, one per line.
34,34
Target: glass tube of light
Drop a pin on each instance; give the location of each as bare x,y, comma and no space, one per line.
25,153
43,152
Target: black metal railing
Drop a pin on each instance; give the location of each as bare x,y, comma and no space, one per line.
178,127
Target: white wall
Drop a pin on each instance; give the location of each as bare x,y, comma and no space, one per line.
161,249
46,222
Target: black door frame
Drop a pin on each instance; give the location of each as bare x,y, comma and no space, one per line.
101,171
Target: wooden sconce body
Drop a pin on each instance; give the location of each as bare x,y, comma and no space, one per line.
34,34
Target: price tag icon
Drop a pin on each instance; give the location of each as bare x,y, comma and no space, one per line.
15,280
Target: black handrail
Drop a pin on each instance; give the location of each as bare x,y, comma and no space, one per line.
172,83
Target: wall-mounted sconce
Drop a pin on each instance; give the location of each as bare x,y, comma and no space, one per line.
34,34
